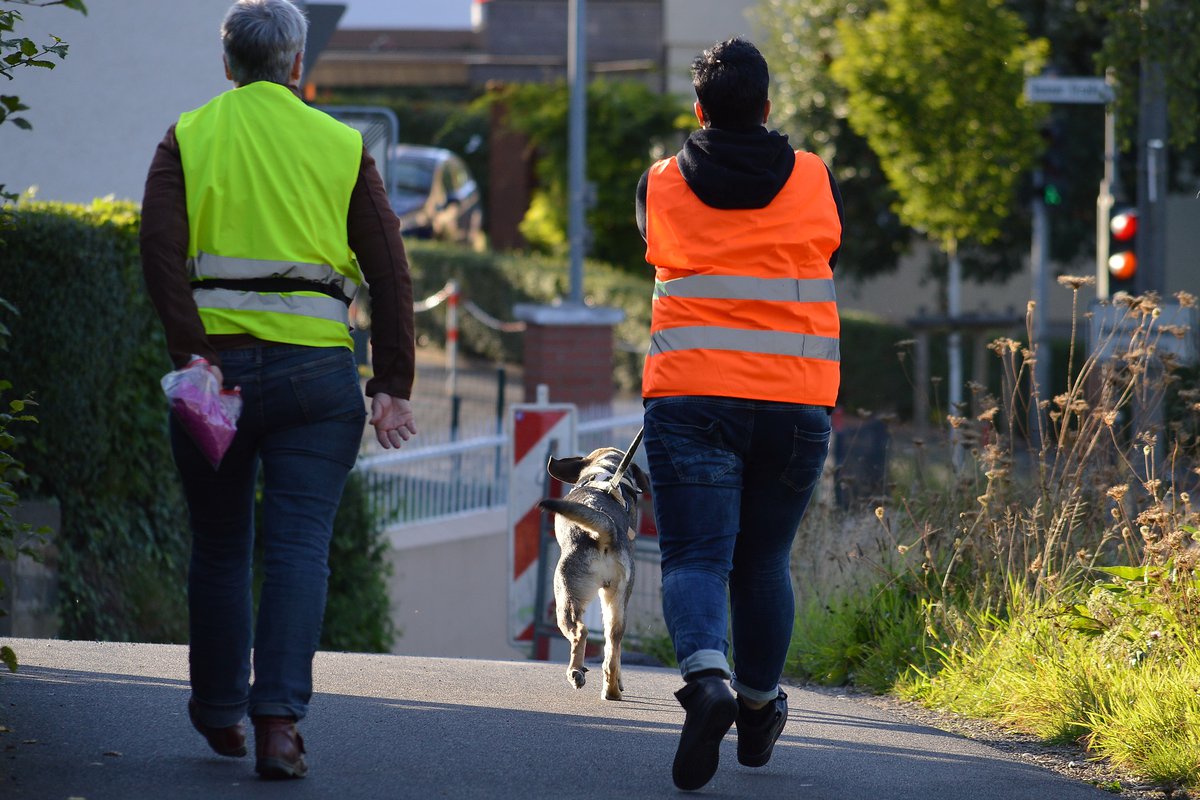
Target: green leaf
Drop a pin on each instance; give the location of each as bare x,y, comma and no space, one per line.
28,47
9,658
40,63
1126,573
21,122
13,58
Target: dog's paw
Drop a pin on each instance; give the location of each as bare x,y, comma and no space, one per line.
612,693
576,677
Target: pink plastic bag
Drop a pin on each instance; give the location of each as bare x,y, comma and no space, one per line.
207,412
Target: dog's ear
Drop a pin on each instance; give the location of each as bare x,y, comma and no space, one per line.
640,477
566,469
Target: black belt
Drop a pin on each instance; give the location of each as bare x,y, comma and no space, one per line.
272,285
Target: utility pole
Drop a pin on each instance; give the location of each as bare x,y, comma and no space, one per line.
577,142
1110,191
1152,176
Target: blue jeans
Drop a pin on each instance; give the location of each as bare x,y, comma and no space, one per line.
302,420
731,480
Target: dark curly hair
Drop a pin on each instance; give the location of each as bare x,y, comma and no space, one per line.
731,80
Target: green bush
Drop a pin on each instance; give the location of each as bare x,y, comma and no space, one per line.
874,375
496,282
357,613
16,538
90,350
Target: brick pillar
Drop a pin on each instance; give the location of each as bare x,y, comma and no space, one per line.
569,349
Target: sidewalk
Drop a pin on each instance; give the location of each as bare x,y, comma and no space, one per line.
107,721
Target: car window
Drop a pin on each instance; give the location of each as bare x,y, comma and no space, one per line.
412,175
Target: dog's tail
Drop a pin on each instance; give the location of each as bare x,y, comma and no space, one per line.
593,521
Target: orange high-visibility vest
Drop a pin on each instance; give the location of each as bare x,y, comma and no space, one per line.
744,303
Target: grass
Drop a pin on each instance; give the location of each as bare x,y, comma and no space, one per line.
1044,566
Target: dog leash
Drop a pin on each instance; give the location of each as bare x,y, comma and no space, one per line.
615,480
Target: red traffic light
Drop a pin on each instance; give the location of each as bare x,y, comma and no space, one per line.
1124,225
1122,265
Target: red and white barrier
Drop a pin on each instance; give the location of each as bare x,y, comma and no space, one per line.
535,427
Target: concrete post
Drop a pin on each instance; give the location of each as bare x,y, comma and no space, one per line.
569,349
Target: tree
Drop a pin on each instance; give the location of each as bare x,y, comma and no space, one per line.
1166,32
24,52
625,121
800,41
937,89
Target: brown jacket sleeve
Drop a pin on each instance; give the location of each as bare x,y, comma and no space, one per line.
374,232
374,235
164,242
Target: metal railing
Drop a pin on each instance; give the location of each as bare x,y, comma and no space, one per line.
420,484
423,483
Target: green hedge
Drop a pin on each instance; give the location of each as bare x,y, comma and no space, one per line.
89,348
874,377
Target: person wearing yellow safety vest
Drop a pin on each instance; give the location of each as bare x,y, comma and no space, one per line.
739,381
261,220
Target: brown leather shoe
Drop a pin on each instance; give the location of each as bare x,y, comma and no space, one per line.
230,741
279,748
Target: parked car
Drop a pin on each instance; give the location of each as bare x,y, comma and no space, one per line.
434,194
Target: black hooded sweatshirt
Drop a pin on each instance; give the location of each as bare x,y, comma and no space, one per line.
735,169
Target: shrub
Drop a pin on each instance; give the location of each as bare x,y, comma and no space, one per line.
874,374
89,348
16,538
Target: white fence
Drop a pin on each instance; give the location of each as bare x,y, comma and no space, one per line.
420,484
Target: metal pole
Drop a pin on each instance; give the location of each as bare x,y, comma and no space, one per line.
577,140
1152,175
1110,188
954,308
1038,261
452,340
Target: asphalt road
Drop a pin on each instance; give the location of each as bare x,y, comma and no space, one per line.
104,720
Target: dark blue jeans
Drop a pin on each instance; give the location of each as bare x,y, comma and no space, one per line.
302,421
731,480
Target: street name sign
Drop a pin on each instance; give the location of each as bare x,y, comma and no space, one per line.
1049,89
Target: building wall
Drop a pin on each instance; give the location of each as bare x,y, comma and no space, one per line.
449,588
689,26
526,40
132,67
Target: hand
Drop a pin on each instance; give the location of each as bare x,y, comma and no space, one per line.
393,420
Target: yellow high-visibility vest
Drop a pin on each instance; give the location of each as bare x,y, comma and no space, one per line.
268,182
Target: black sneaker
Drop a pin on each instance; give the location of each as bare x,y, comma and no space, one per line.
711,709
759,729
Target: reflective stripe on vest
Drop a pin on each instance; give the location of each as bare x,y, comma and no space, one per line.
206,265
317,306
744,299
731,287
775,343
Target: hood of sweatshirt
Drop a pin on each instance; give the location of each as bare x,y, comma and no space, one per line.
736,169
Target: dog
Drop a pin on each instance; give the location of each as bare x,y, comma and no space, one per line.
595,528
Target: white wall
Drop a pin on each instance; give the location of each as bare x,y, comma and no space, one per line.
132,68
449,588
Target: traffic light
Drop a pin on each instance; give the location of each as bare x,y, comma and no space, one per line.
1122,250
1051,166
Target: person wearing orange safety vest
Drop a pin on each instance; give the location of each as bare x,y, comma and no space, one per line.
262,218
739,382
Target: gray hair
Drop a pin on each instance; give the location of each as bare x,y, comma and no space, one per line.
261,40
